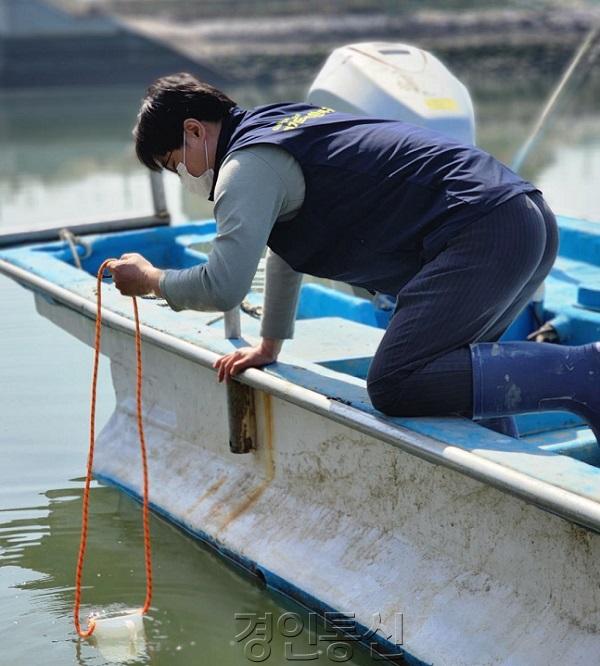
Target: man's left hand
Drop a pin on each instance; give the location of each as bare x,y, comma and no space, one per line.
134,275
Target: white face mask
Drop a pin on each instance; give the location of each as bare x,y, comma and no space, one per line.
201,184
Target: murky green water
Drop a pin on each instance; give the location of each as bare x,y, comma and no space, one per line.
67,155
44,406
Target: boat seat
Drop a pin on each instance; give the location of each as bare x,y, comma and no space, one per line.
577,442
338,344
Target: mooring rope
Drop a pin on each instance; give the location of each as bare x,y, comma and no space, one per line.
86,492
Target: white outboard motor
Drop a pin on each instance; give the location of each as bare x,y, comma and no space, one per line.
396,81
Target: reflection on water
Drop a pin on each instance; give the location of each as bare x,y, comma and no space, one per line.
68,155
44,412
196,596
570,176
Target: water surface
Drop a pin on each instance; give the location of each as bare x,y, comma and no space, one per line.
67,155
44,407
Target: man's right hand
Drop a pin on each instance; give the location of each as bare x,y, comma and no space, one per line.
247,357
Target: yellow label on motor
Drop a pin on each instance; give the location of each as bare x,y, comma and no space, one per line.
292,122
441,104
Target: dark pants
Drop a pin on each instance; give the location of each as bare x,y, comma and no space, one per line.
470,292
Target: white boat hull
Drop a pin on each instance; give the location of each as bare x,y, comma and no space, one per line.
343,520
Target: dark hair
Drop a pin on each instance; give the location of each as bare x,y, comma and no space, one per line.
167,103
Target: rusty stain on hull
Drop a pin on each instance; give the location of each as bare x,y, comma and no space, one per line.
207,493
256,492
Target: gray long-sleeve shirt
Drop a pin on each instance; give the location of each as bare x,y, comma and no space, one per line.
256,187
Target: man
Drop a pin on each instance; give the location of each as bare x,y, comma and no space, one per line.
462,240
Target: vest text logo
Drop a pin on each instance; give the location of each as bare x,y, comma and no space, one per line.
298,119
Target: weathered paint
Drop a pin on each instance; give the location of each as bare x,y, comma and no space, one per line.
338,518
268,468
346,390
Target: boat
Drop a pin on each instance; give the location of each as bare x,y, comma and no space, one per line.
443,541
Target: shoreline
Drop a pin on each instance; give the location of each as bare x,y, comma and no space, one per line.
116,47
524,43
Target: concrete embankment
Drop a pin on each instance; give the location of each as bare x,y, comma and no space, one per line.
130,41
277,47
43,45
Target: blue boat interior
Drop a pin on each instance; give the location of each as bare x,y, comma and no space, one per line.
346,342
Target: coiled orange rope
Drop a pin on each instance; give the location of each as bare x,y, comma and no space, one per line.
86,492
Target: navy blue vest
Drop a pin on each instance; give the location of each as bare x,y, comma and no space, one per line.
382,196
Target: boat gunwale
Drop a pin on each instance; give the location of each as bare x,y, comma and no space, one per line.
569,504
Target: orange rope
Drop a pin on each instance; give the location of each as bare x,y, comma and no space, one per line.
86,492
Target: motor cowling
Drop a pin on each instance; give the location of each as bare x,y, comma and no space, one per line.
396,81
